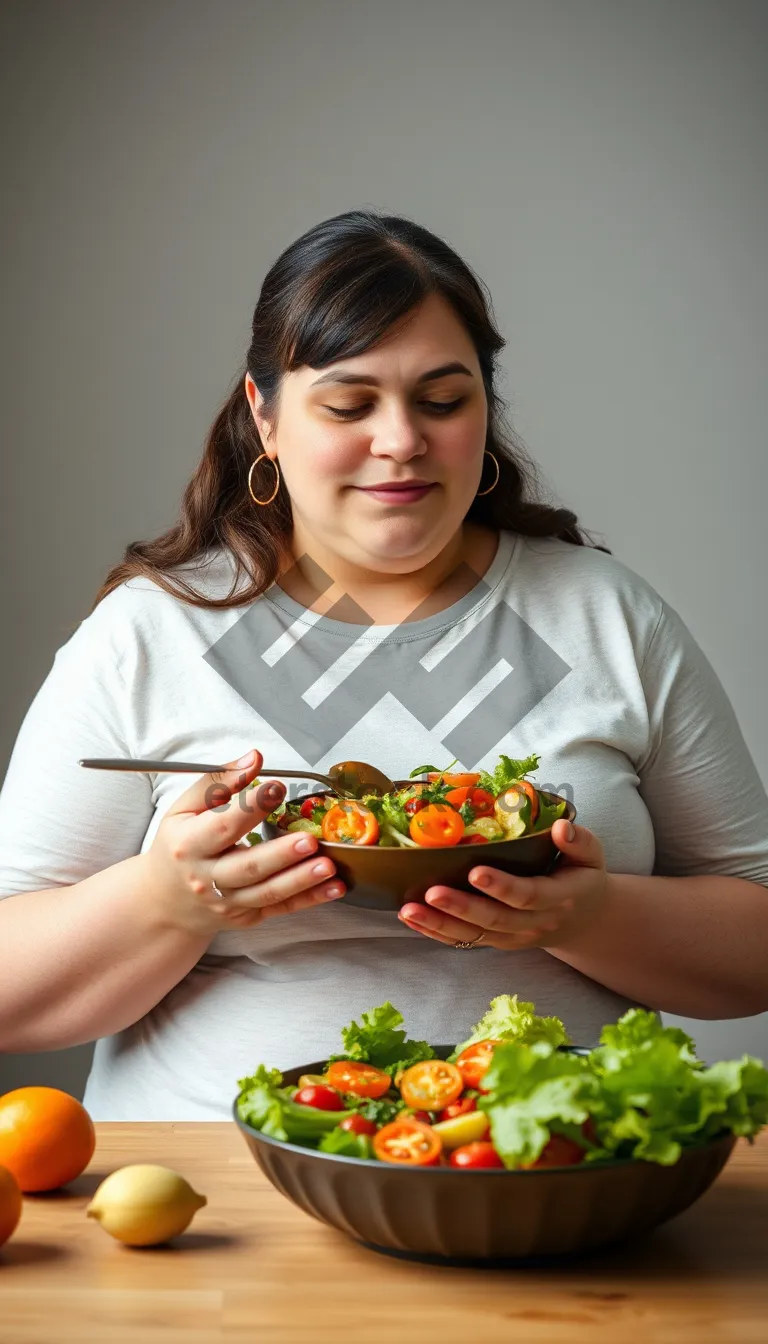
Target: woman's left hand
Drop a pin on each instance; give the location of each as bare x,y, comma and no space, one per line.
520,912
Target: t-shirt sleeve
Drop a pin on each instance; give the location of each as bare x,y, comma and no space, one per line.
708,805
61,822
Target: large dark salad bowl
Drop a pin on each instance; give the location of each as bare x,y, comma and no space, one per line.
380,878
484,1217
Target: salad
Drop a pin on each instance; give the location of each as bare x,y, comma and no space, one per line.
506,1097
442,809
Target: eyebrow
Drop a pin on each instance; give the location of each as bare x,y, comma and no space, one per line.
339,376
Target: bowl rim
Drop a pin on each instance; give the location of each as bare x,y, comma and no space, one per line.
578,1168
570,814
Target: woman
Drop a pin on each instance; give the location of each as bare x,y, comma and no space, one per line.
304,605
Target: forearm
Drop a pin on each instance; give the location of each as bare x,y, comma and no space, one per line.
695,946
86,961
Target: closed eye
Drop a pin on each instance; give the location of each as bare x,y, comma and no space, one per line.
435,408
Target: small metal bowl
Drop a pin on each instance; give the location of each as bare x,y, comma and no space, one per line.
442,1215
386,879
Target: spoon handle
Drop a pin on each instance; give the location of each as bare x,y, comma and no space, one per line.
189,767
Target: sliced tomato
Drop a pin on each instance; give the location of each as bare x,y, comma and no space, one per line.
436,825
413,805
457,797
463,1106
431,1084
558,1152
322,1098
457,781
362,1080
482,802
474,1156
309,805
473,1062
474,838
408,1141
350,823
357,1124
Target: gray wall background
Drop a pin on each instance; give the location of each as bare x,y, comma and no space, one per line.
601,163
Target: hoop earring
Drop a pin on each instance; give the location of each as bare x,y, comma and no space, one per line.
277,484
479,494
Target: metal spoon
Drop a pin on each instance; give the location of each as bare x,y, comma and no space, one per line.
350,779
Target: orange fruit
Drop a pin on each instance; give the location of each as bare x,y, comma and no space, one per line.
10,1204
46,1137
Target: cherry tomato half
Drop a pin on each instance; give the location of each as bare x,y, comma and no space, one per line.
473,1062
322,1098
413,805
473,1156
362,1080
558,1152
309,805
481,802
357,1124
350,823
457,781
431,1084
462,1106
436,825
408,1141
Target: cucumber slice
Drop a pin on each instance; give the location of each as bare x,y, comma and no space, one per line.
304,824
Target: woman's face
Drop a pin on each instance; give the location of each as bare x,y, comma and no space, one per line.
377,420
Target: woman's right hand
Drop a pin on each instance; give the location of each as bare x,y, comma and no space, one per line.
197,844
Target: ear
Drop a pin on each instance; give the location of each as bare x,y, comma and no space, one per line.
255,401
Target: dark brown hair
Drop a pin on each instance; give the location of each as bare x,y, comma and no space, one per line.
333,294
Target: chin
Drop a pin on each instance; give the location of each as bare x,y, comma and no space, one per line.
398,550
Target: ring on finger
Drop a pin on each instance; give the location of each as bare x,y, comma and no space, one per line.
474,943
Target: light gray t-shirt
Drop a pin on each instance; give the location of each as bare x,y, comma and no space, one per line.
558,650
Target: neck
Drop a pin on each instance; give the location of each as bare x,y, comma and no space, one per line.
359,595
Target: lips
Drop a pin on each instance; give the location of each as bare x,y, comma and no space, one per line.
398,493
389,486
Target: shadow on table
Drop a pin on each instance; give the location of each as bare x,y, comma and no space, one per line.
19,1252
193,1241
83,1187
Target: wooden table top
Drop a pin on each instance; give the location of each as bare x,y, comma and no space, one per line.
254,1267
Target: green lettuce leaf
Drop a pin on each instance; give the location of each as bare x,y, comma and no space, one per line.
266,1105
510,1019
548,814
378,1040
393,811
347,1145
381,1110
533,1092
507,772
657,1097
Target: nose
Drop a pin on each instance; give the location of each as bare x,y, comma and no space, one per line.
398,437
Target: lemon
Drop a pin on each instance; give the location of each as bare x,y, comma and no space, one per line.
144,1205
